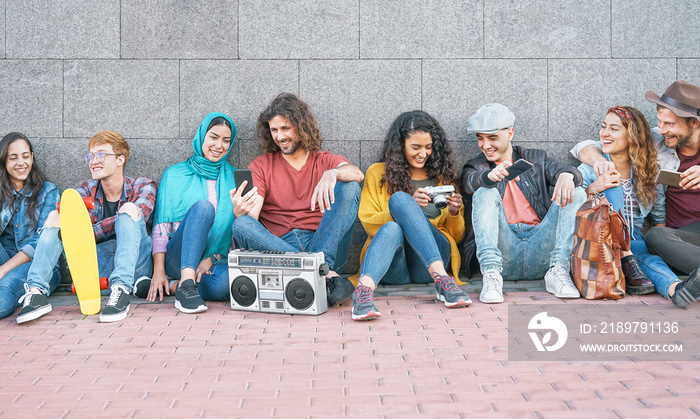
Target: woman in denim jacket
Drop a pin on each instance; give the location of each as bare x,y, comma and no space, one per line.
631,187
26,199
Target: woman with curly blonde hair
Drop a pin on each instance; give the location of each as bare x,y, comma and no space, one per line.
629,184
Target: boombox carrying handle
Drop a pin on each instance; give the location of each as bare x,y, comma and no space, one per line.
324,269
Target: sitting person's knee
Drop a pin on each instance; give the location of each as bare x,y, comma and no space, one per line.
656,236
131,209
204,208
486,193
398,199
53,220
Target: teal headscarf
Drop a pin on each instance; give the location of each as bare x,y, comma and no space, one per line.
185,183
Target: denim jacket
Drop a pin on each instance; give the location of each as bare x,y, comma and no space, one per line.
535,185
26,232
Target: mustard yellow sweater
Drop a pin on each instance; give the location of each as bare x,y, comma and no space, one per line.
374,213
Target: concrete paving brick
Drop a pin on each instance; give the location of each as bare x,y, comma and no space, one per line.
31,91
173,29
66,29
311,29
414,29
141,101
339,381
519,30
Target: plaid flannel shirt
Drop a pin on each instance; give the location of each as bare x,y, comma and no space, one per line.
140,191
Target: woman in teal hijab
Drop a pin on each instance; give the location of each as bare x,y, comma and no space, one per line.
193,217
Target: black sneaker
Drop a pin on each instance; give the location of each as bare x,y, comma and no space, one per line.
687,291
117,306
34,305
363,307
339,289
449,292
187,298
142,286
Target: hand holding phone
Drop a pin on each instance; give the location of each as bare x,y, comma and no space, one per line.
518,168
239,175
668,177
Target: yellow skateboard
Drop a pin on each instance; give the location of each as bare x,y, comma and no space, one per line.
81,251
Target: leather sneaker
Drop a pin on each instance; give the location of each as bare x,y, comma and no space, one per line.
492,289
558,281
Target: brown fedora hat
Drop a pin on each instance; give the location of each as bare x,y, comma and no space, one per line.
681,97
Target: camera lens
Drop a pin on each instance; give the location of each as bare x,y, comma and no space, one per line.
440,202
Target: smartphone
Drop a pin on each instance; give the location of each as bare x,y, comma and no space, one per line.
239,175
519,167
669,178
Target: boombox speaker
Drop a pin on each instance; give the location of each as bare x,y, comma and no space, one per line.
278,282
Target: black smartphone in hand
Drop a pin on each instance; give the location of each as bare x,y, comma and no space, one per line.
518,168
239,175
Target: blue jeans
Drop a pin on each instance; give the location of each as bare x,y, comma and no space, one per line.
522,251
332,237
12,284
652,265
214,286
194,230
412,240
122,260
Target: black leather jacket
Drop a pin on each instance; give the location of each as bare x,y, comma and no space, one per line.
534,184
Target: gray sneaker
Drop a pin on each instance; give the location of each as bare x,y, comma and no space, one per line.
34,305
558,282
363,307
492,289
142,286
187,298
687,291
449,292
117,306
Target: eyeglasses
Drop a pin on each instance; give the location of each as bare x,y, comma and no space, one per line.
99,156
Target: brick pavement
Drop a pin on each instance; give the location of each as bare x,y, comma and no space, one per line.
419,359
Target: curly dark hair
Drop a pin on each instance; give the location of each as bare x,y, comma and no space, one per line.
299,115
642,152
439,166
35,180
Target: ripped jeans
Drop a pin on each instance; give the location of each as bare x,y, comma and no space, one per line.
122,259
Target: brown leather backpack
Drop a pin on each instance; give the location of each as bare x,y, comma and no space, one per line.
600,235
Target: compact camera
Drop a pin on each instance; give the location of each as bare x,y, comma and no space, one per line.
438,195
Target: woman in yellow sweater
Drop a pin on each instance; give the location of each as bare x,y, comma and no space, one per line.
411,235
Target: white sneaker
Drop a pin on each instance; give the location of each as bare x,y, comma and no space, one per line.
492,289
558,282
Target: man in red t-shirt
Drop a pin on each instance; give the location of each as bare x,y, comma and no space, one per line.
304,199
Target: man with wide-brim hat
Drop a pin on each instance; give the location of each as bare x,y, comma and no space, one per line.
678,243
677,140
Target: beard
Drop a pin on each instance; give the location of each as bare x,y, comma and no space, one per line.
291,150
682,140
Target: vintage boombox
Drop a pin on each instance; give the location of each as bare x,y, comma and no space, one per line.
278,282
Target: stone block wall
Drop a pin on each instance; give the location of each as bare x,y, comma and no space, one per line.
152,69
